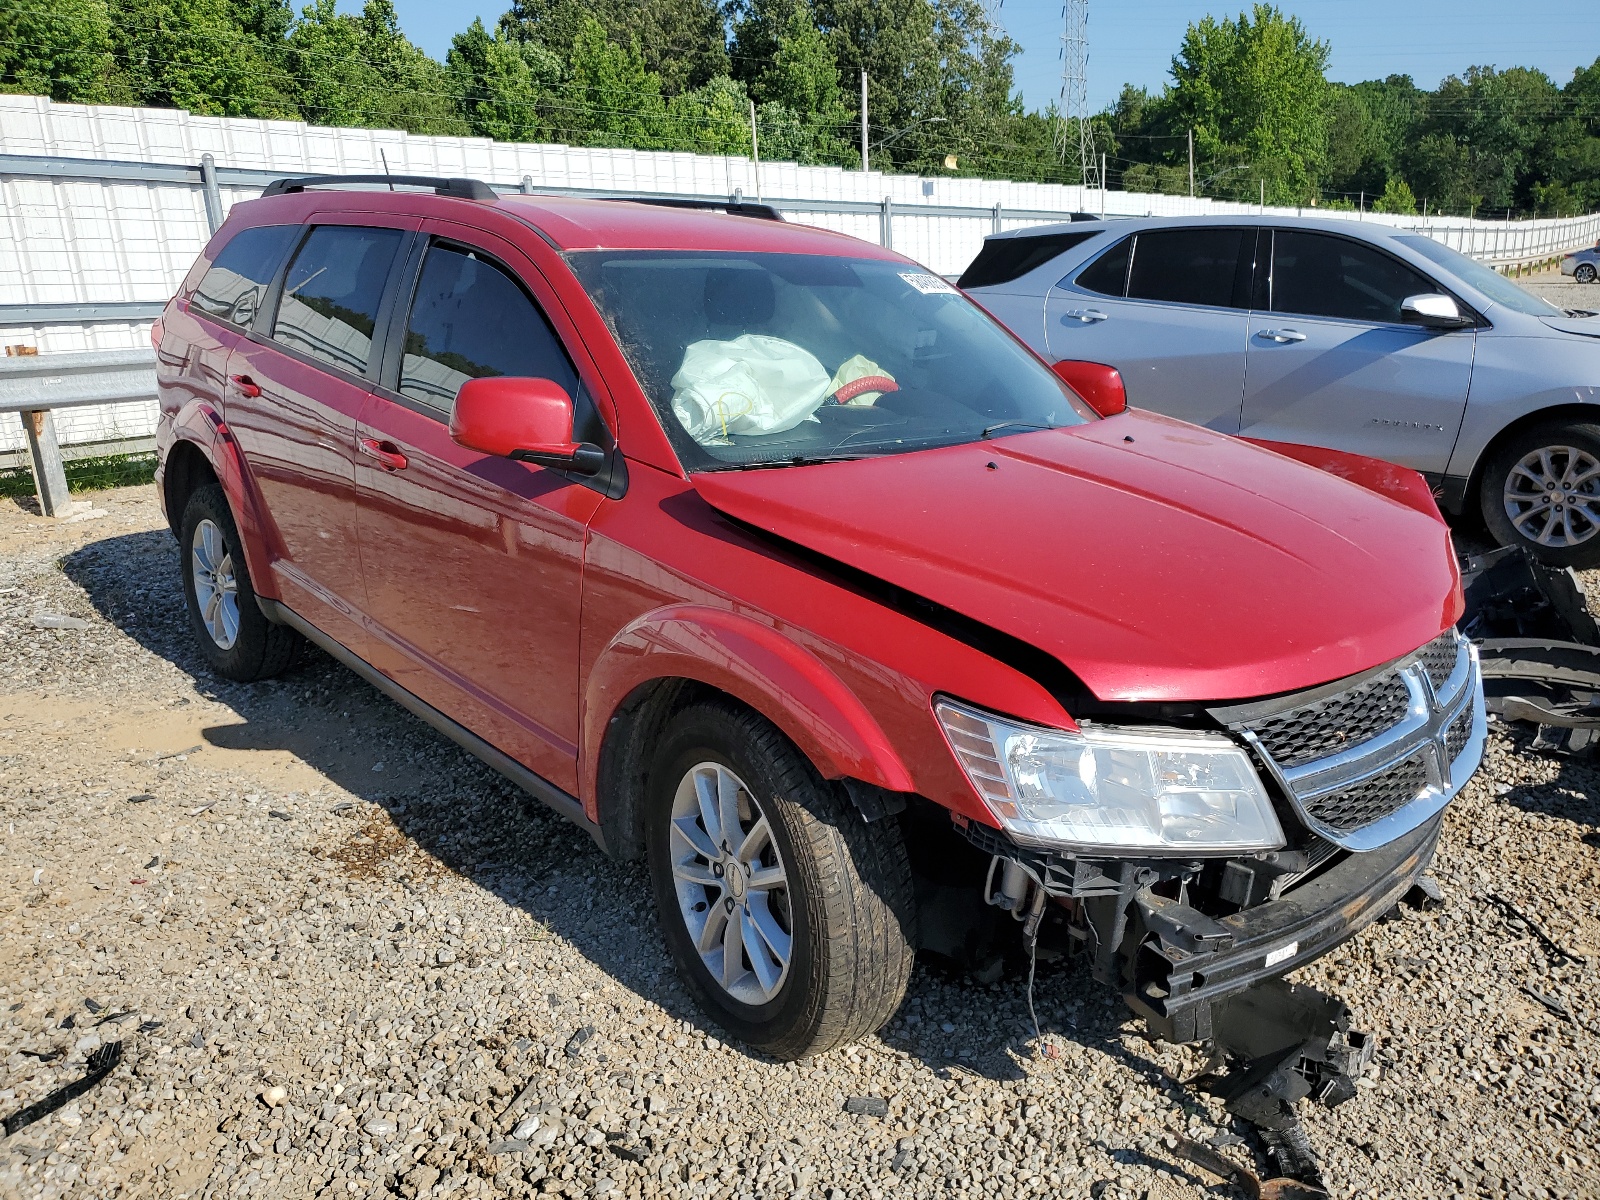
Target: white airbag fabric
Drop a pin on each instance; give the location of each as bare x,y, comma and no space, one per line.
752,384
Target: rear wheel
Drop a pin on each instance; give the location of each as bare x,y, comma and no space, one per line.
1541,490
234,634
1585,273
790,918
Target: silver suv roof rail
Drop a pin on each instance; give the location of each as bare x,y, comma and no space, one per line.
465,189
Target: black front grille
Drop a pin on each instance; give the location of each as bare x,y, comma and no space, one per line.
1326,727
1438,658
1455,738
1371,799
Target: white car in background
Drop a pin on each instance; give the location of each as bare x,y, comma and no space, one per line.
1351,335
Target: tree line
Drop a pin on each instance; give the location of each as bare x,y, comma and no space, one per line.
1249,94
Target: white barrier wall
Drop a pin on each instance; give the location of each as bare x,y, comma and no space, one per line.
86,240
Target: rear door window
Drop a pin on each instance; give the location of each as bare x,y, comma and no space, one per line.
1190,266
1320,275
1108,274
470,319
233,286
332,293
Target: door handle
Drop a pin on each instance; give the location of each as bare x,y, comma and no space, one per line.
246,385
386,453
1086,315
1281,335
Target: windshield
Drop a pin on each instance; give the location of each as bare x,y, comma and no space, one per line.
1487,280
777,359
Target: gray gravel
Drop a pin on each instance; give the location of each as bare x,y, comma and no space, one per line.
344,959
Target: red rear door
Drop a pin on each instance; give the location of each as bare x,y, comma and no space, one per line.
473,564
296,389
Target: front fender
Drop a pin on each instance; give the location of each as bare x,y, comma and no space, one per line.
739,655
200,424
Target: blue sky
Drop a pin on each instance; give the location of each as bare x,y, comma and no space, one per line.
1133,41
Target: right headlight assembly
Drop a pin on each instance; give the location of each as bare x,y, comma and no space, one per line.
1113,789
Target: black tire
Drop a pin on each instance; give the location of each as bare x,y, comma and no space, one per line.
1576,542
260,649
1585,273
849,899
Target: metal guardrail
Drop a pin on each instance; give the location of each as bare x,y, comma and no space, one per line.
36,384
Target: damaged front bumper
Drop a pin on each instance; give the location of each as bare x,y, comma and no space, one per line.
1180,964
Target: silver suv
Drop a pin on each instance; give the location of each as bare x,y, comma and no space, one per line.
1344,334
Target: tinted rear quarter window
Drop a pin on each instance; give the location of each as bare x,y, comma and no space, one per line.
233,286
1188,266
332,291
1003,259
469,320
1107,274
1320,275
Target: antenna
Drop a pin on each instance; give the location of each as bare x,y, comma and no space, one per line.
385,158
1072,114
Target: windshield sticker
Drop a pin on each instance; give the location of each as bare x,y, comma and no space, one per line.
928,285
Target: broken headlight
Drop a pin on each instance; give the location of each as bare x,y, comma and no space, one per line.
1109,788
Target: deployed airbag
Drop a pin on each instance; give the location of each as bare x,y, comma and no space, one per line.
752,384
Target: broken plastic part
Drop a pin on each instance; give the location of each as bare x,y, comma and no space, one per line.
100,1064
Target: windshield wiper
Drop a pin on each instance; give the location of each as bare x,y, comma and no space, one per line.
795,460
989,430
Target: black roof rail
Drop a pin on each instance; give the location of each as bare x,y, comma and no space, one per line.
733,207
465,189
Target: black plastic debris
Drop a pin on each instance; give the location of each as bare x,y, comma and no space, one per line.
279,814
1257,1189
576,1043
94,1006
100,1064
1425,895
150,1026
867,1106
141,798
1548,942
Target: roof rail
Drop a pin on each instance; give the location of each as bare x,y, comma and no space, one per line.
733,207
465,189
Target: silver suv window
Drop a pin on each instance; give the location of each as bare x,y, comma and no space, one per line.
1487,280
1319,275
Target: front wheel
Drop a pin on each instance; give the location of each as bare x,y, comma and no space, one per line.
789,917
1541,491
1585,273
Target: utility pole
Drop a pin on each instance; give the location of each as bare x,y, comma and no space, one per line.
1263,195
1102,185
864,121
755,147
1191,161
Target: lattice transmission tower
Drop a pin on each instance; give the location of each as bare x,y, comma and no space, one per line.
1073,131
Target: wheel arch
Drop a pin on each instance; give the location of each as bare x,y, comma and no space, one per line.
204,451
1588,414
669,659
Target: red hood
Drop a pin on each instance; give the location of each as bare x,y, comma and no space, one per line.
1156,560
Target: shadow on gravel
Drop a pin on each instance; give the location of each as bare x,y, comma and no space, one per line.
1573,795
475,824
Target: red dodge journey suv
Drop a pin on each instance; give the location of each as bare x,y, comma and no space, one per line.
765,554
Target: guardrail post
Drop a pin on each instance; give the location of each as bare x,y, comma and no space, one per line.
886,224
996,226
208,188
49,474
527,185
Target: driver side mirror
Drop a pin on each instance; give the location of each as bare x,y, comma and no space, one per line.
529,420
1100,386
1433,310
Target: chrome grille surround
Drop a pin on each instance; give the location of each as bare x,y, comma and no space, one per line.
1383,782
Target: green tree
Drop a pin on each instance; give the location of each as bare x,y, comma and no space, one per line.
61,50
680,42
1396,198
503,86
712,119
608,97
194,54
1255,92
361,70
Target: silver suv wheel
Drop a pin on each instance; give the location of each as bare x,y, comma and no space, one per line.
1552,496
1585,273
731,883
216,590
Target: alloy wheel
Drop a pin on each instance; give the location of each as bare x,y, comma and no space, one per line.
1552,496
216,586
1585,273
731,883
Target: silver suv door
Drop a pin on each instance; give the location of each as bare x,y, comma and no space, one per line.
1330,363
1166,307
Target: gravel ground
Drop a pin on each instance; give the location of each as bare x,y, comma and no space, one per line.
343,958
